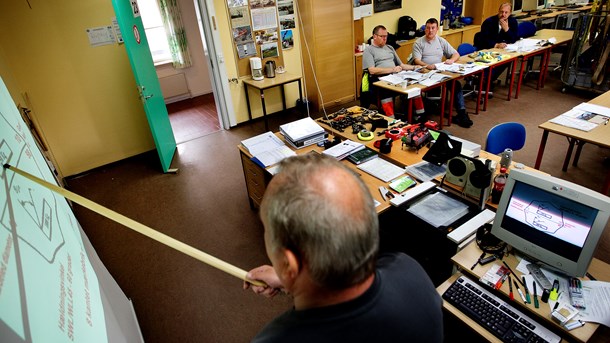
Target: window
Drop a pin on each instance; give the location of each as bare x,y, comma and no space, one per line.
155,32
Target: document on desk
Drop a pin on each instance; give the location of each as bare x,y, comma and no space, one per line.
261,143
525,45
459,68
597,298
425,171
273,156
576,119
438,209
433,79
381,169
398,78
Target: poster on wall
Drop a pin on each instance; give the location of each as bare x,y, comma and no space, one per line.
265,18
269,50
386,5
266,36
363,8
287,22
242,34
246,50
287,39
236,3
240,16
285,7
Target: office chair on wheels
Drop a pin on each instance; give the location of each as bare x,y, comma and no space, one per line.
505,135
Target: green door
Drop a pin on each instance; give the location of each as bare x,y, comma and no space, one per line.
130,22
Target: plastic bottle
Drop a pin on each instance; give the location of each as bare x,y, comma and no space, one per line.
499,183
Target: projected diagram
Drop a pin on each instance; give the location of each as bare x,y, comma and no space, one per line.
48,289
544,216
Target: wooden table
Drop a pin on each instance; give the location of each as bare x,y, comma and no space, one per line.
599,136
465,259
278,81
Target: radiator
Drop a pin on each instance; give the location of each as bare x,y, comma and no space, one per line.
174,87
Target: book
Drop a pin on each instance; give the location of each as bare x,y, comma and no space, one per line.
261,143
362,156
307,142
343,149
273,156
381,169
301,129
402,183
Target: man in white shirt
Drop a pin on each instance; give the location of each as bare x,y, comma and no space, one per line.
430,50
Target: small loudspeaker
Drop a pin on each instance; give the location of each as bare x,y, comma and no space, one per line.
458,170
479,179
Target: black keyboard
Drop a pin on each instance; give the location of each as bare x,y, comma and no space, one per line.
497,316
544,12
522,16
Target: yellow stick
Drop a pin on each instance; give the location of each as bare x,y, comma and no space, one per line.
141,228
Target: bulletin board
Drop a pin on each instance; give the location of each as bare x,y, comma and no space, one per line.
260,28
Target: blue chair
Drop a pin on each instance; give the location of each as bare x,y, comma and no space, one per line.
506,135
526,29
465,49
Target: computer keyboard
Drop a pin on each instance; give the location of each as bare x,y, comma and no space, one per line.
521,16
497,316
541,12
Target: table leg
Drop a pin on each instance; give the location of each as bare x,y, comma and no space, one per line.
523,61
542,70
264,110
248,102
410,110
487,88
606,187
512,78
443,91
478,94
566,161
546,65
545,135
579,146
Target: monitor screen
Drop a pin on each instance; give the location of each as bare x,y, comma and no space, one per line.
553,221
541,4
517,4
530,5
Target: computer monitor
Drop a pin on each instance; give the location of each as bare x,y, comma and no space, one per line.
517,5
532,5
551,220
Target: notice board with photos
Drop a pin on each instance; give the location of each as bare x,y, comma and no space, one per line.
261,28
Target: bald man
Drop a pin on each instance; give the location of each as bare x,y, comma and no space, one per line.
322,238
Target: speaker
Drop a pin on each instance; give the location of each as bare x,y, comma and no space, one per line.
479,179
458,170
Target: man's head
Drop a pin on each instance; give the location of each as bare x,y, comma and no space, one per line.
504,10
380,35
431,28
320,219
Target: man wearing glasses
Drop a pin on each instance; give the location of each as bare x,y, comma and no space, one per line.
381,59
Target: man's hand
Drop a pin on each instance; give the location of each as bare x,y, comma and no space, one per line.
500,45
397,69
504,24
267,275
431,67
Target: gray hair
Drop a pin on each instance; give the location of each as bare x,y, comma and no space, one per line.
338,241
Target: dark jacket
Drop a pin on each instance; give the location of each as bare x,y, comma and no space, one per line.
490,35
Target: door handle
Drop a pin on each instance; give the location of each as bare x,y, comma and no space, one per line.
142,95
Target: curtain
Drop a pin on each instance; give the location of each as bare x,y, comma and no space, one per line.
176,36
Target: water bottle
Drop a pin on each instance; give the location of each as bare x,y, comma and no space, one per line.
506,158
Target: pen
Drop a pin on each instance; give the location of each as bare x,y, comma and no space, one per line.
479,260
516,278
510,288
556,306
527,292
520,293
501,281
536,304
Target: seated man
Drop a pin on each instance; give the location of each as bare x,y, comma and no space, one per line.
497,32
381,59
429,50
322,237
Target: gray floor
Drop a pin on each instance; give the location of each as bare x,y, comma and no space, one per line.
177,298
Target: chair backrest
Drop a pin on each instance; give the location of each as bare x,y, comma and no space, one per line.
506,135
526,29
465,49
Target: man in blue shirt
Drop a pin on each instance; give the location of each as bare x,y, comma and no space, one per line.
322,237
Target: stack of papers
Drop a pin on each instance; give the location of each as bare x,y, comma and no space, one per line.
303,132
439,210
584,117
460,68
266,149
381,169
343,149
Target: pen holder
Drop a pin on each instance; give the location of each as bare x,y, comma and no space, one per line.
384,145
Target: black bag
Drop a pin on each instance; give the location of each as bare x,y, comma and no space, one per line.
407,28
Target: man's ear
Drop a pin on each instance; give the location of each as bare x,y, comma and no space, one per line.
291,267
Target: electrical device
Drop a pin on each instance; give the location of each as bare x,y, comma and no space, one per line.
554,221
533,5
517,5
256,68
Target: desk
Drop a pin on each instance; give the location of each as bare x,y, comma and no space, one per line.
562,37
599,136
278,81
464,260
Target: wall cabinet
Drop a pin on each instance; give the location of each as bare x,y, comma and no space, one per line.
327,45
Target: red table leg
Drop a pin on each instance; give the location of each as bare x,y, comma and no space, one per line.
545,135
